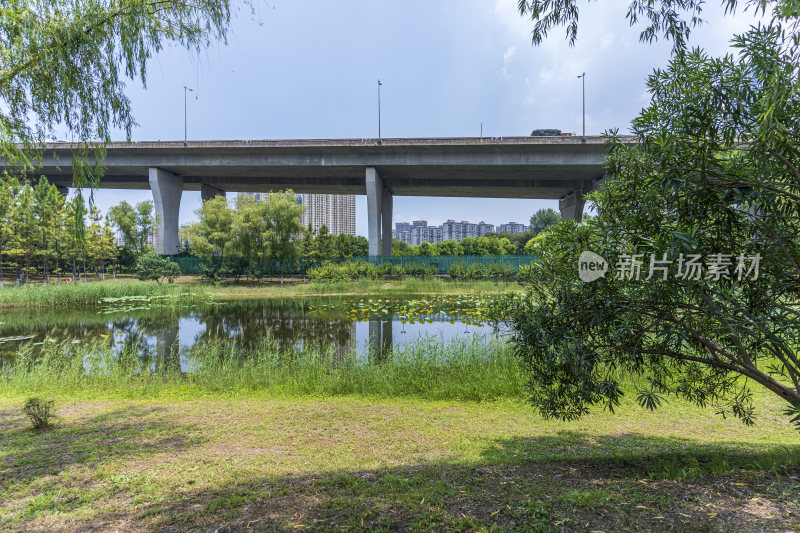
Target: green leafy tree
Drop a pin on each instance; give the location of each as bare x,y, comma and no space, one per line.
66,64
284,214
350,245
325,243
24,235
250,225
100,247
8,186
212,236
449,247
543,219
73,234
426,248
309,247
135,225
398,248
476,245
499,246
536,244
47,207
152,267
146,221
712,181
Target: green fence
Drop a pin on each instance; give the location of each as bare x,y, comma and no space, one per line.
444,262
189,265
193,265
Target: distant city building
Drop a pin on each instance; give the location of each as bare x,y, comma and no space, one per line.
512,227
337,212
458,231
418,231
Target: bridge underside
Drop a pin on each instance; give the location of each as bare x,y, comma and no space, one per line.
561,168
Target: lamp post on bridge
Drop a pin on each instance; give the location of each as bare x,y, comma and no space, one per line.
186,90
379,110
583,81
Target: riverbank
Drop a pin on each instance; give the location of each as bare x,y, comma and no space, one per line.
332,464
190,288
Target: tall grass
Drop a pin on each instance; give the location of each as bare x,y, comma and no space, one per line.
471,369
81,294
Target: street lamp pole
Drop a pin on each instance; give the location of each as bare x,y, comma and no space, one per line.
583,82
379,109
185,128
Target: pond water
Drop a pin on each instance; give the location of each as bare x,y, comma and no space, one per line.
360,325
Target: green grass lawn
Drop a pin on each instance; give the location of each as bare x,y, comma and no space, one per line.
357,463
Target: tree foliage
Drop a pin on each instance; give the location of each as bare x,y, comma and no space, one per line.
543,219
65,64
673,20
715,176
153,267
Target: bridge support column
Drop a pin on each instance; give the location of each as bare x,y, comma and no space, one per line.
386,222
167,189
209,192
571,206
374,210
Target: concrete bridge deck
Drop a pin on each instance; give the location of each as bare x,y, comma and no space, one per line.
488,167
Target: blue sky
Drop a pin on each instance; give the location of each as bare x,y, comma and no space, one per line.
310,69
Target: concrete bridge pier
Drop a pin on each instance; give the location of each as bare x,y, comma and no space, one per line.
379,214
571,206
167,189
386,222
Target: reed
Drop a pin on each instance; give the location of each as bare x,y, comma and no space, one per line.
75,294
470,369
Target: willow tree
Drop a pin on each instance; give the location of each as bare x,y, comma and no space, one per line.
65,65
699,222
284,226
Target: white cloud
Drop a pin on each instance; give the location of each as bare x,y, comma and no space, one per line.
508,56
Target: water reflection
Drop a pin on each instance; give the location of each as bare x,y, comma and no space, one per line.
164,332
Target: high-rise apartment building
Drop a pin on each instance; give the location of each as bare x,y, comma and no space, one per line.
459,231
418,231
337,212
512,227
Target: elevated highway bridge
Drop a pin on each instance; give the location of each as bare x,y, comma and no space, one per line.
562,168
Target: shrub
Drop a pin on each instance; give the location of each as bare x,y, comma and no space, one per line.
475,272
153,267
41,412
457,271
420,270
329,271
500,272
389,269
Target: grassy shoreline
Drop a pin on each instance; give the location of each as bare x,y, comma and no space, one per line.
469,369
94,292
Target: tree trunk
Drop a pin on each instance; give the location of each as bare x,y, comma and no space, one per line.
58,267
44,260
